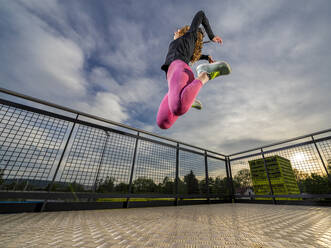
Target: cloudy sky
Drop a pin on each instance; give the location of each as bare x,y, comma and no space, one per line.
104,58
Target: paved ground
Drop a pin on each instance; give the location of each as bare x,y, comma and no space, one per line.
217,225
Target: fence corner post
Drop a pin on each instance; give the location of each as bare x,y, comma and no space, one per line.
59,164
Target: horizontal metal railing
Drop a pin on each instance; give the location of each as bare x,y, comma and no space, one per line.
94,125
84,152
69,163
310,161
281,142
53,105
281,148
66,195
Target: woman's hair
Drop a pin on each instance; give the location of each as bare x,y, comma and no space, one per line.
198,44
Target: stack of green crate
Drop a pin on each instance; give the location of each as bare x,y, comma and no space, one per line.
281,177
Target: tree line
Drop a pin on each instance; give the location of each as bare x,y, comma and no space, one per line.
188,185
308,183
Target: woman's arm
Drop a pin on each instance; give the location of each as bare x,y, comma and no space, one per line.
198,19
203,57
207,57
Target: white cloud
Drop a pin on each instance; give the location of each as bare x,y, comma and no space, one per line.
41,62
132,50
278,88
107,64
106,105
243,15
37,61
135,90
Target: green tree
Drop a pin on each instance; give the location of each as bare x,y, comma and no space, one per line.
75,187
182,189
144,185
10,186
106,186
18,184
167,186
300,177
203,185
122,188
243,177
220,186
1,176
242,180
192,183
329,166
56,187
316,184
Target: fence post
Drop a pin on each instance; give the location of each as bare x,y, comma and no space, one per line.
101,160
266,170
207,177
233,199
228,177
132,169
319,154
177,174
60,161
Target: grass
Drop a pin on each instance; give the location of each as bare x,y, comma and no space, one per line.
141,199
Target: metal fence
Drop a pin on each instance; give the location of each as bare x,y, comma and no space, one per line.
310,159
51,154
75,156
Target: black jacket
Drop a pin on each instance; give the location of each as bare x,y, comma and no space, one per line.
183,47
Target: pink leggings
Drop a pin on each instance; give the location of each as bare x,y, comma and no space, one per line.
183,88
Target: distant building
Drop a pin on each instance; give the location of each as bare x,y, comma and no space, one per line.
281,177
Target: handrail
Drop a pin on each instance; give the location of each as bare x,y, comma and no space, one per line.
33,99
282,142
53,105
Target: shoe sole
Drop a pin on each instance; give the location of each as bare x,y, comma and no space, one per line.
197,105
216,69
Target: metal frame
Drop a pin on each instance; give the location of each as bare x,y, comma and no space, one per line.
49,195
32,99
155,139
259,151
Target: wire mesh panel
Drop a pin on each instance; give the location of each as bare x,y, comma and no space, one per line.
242,181
218,181
307,167
84,159
192,173
216,168
114,172
325,149
289,143
155,168
304,159
29,145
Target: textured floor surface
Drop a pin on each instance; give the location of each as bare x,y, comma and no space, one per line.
218,225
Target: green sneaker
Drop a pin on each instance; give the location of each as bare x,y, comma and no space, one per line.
215,69
197,104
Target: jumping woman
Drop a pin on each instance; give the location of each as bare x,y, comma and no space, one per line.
183,86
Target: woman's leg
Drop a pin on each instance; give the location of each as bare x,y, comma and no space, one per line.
165,119
183,89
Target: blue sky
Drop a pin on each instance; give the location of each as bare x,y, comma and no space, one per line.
104,58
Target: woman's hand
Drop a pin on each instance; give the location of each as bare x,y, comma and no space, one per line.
210,59
217,39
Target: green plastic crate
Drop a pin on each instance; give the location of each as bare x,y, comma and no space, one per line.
281,177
